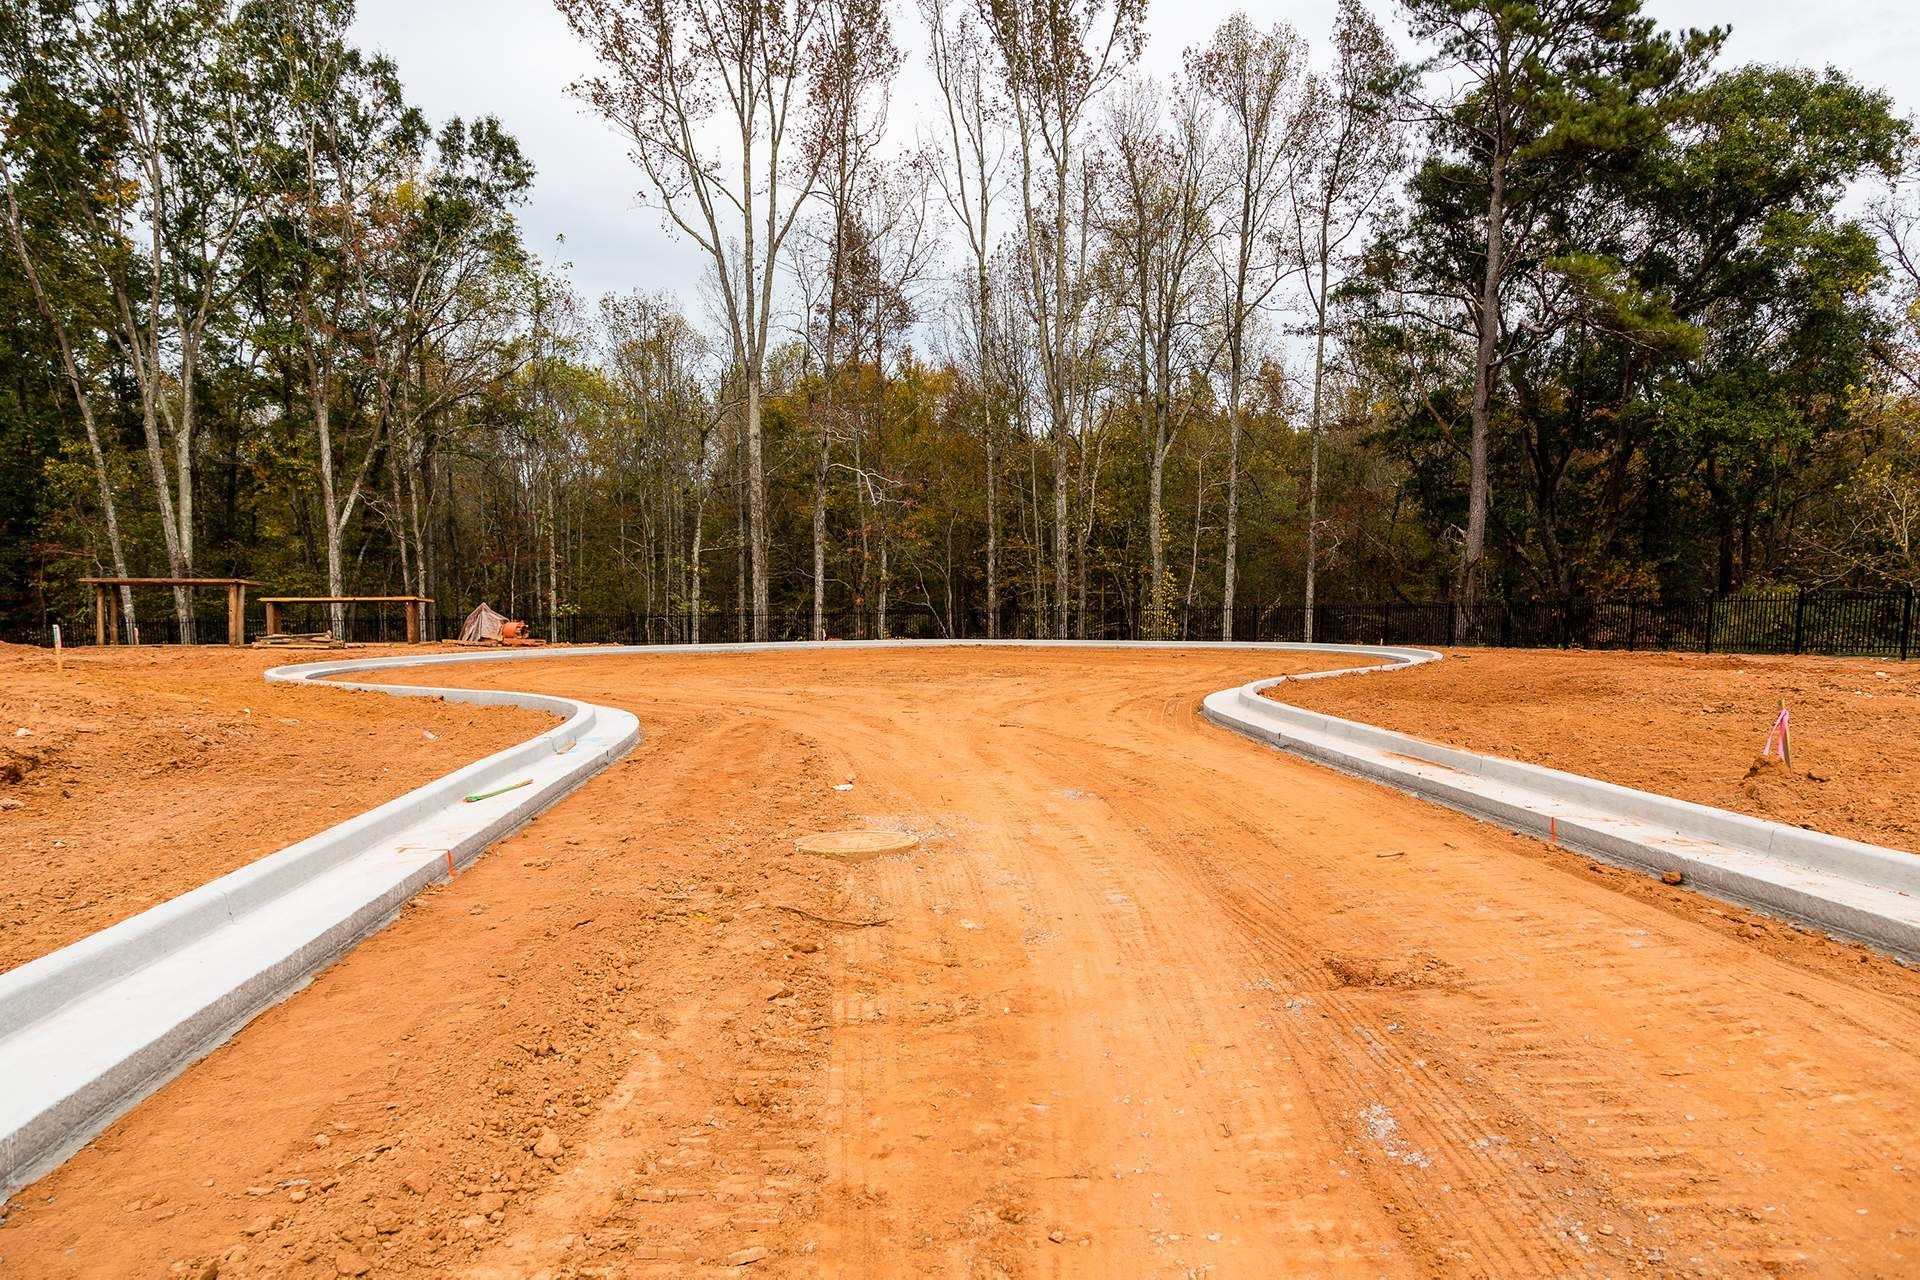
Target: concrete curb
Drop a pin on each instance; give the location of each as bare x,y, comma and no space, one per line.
89,1030
1854,890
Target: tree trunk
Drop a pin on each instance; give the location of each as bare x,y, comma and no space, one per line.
1061,524
1193,559
740,554
1313,454
1039,546
84,403
821,462
880,595
179,557
993,534
1487,329
1090,482
180,544
1158,614
1230,572
553,570
330,517
756,505
693,569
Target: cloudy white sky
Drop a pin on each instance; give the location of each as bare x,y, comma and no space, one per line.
515,58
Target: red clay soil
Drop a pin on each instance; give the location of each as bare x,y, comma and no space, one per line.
144,773
1147,999
1684,725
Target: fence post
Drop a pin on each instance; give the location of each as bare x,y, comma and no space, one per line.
1707,639
1799,618
1633,622
1906,625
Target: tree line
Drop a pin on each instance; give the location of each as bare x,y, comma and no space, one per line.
1470,301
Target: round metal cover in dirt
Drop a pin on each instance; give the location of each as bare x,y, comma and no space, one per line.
856,844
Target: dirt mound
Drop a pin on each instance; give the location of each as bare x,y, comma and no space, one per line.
1415,969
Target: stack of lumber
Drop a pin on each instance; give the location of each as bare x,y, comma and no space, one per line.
299,640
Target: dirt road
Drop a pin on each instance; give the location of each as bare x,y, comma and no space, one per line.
1147,1000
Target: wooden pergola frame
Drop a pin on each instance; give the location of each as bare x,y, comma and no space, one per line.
106,603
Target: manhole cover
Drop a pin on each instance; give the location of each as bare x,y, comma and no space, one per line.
856,845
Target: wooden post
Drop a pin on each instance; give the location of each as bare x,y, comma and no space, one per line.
236,614
101,631
414,609
273,619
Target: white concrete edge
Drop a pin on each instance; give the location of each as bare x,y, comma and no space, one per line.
32,995
1852,889
49,1005
34,992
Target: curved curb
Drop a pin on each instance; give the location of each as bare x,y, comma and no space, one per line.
89,1030
1855,890
95,1027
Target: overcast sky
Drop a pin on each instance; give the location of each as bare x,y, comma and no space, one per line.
515,58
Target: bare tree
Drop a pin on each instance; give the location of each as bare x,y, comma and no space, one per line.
654,360
1343,155
352,139
190,183
1158,233
680,75
1056,56
970,179
891,251
1251,75
858,63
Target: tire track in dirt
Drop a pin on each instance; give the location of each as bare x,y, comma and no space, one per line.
1593,1091
1424,1129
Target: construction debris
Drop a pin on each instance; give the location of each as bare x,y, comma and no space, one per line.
487,627
299,640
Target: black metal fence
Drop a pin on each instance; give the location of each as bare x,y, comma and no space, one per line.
1834,623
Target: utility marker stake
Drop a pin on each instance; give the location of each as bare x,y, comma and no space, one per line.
500,791
1779,739
59,654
